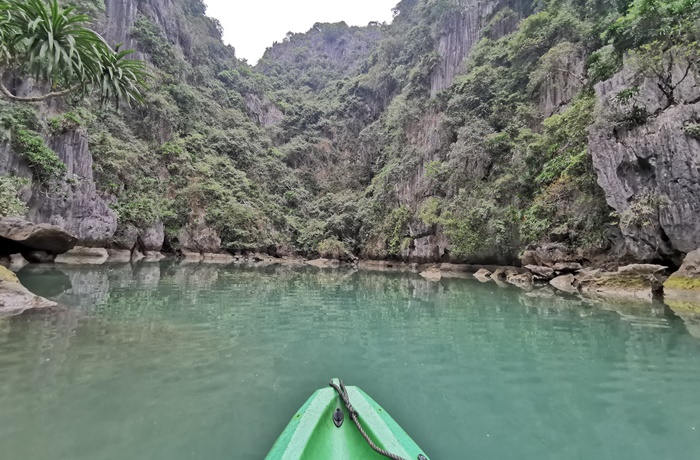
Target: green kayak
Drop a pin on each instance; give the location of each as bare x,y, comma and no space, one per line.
324,429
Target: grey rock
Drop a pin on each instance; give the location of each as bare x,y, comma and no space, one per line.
19,235
567,267
153,236
624,286
544,273
17,262
548,255
685,283
642,269
460,32
566,283
125,237
523,280
563,83
483,275
119,255
75,205
15,299
265,112
652,171
82,255
198,237
324,263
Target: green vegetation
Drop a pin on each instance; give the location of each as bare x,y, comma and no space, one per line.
43,161
337,142
10,204
53,44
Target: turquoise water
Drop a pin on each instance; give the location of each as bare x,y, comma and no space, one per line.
202,362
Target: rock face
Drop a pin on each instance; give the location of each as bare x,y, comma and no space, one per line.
76,207
15,298
21,236
651,173
563,83
265,112
460,32
73,205
127,235
549,255
198,237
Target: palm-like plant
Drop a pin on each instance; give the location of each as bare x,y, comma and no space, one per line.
52,44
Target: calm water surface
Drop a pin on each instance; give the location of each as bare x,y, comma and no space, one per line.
200,362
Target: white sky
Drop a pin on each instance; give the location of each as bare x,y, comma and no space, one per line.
253,25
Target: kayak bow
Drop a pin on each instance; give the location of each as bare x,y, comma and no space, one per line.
324,429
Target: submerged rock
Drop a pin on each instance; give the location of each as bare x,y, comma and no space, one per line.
324,263
432,274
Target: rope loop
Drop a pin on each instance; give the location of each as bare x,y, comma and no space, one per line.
343,393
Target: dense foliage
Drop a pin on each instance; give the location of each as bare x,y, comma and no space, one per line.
337,142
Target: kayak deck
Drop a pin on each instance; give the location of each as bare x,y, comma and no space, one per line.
312,434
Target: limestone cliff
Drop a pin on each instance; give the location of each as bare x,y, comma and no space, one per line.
651,172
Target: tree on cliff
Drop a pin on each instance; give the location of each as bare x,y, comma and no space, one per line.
53,45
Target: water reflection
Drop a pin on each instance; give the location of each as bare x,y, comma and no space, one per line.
158,360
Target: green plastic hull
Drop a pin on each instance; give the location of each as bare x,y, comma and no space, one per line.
312,434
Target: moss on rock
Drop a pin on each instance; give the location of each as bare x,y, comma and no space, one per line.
7,275
685,283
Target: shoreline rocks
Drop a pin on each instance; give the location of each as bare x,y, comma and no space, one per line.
83,256
15,299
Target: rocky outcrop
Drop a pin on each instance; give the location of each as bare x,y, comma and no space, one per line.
198,237
548,255
684,285
650,173
15,299
621,285
564,81
265,112
73,205
565,283
19,236
127,235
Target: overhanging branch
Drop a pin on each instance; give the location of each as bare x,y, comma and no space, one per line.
44,97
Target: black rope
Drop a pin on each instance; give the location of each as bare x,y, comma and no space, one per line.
343,393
